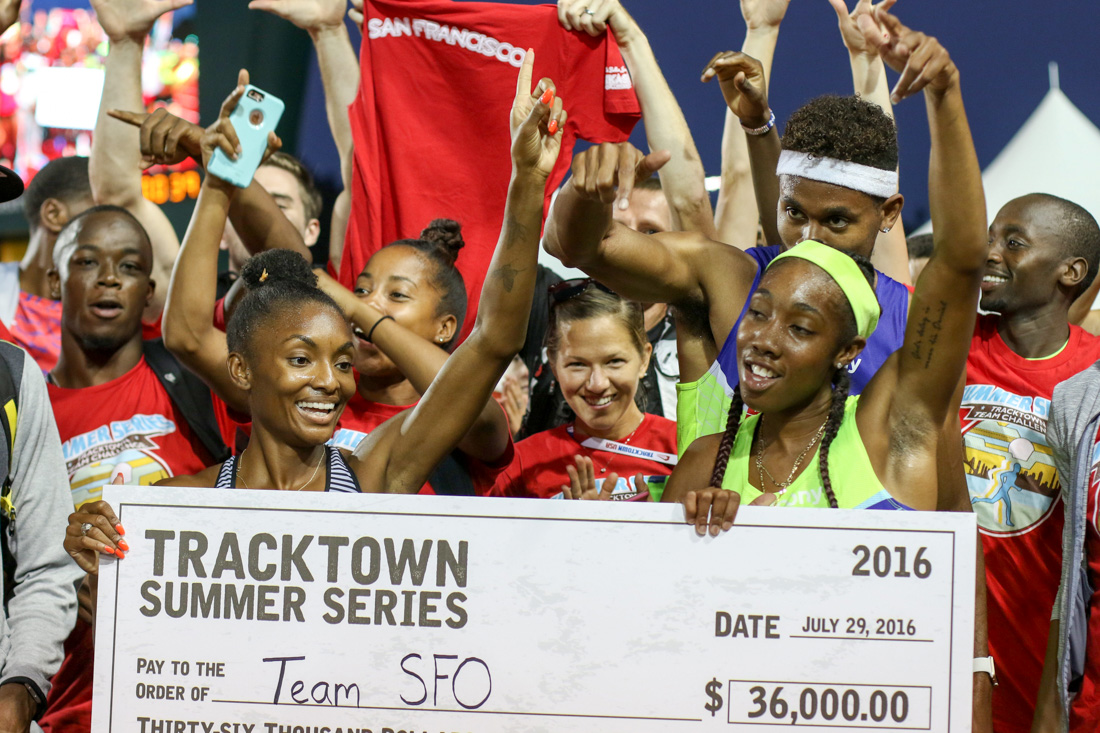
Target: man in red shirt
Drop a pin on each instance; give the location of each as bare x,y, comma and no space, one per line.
113,413
57,193
1044,253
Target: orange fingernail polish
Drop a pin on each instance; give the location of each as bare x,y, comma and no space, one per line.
552,128
123,546
120,530
547,96
109,550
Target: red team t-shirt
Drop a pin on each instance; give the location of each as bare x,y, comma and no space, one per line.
361,416
538,470
1016,495
37,328
128,426
430,122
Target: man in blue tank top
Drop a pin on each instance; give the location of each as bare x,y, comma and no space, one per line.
832,178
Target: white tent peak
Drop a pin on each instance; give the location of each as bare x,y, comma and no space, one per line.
1056,151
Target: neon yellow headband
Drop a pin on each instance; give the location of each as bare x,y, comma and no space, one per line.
844,270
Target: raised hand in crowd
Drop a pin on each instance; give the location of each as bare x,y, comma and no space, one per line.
339,66
741,78
315,16
608,172
891,255
132,20
850,30
764,16
222,136
355,12
114,167
921,59
736,218
589,16
165,138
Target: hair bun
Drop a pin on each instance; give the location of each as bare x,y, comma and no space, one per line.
447,234
277,265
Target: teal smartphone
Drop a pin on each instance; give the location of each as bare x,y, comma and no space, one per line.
256,115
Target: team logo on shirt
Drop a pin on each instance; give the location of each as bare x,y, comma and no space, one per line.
1009,468
616,77
451,35
122,448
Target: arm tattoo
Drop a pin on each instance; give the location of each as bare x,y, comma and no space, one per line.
928,332
507,274
517,231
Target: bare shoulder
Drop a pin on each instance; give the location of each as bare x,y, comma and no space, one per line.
694,469
205,478
370,458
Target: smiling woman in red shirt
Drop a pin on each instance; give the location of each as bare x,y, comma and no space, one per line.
597,348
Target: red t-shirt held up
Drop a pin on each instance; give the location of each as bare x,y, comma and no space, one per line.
430,122
1016,494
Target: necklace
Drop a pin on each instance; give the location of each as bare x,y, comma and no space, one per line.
605,441
784,485
307,483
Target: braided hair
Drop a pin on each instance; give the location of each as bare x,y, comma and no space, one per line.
841,385
733,422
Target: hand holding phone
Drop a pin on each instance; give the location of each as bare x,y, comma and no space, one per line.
243,132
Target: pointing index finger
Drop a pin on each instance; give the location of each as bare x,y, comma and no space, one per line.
131,118
523,82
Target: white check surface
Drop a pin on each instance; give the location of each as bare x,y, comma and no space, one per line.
526,615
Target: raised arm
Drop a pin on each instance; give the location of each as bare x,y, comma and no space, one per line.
324,21
744,86
869,82
412,444
677,268
682,178
189,331
115,164
420,361
944,306
736,214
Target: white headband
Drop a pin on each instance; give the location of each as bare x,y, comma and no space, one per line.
864,178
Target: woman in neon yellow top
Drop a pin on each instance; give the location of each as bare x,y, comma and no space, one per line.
810,444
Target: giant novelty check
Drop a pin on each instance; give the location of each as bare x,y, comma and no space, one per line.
271,612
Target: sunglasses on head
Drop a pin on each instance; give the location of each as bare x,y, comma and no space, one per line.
569,289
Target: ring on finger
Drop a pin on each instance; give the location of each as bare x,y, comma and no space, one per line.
589,11
85,528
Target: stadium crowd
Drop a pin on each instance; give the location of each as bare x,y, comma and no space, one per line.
787,347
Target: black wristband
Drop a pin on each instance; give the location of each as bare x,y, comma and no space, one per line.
370,333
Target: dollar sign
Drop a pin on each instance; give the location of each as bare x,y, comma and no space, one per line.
715,703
